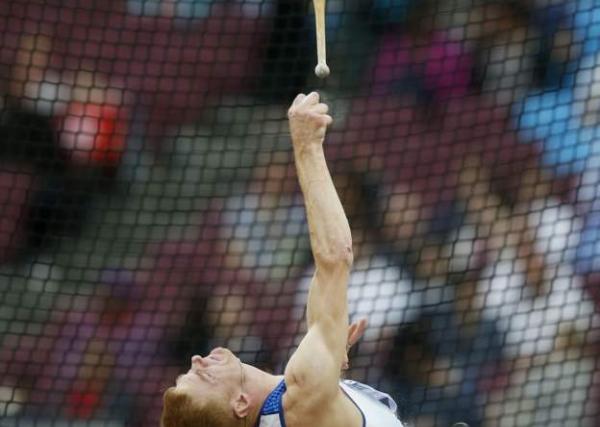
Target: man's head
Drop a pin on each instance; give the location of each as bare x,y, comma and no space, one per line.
211,393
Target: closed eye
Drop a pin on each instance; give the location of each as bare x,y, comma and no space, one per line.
205,376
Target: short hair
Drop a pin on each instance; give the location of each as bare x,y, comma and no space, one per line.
179,410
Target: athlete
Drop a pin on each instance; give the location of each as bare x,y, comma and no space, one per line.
221,391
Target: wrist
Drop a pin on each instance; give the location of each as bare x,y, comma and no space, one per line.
308,148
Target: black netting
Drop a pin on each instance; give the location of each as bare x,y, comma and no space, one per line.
150,210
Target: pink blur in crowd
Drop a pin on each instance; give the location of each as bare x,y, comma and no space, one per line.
444,64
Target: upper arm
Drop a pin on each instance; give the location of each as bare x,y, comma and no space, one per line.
315,365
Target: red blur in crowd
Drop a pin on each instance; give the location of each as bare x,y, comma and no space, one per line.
93,135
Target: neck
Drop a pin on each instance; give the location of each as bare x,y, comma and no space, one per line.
259,384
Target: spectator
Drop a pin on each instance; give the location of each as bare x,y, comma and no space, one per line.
391,11
110,353
265,229
29,143
173,66
566,123
506,47
15,184
559,40
192,9
262,226
417,157
576,33
554,332
436,367
420,58
586,24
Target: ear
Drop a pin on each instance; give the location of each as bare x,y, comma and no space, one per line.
241,405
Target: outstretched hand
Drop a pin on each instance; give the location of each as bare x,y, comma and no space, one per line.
355,332
308,120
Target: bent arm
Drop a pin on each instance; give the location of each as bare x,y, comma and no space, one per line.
323,349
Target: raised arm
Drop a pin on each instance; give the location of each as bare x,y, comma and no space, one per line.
316,363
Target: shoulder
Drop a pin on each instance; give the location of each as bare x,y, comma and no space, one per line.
309,372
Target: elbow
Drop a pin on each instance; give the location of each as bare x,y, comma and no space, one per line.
349,255
337,256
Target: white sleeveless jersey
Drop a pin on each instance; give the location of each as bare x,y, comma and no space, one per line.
378,409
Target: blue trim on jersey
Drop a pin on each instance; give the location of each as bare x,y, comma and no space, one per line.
272,407
273,404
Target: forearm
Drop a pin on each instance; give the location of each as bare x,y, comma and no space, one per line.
330,236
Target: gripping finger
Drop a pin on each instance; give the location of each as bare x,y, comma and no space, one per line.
321,108
299,98
311,99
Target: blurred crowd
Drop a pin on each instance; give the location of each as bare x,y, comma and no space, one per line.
149,207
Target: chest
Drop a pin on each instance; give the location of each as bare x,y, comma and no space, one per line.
342,413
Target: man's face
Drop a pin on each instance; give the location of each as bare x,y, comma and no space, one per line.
217,373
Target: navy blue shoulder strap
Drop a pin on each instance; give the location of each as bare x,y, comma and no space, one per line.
271,412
